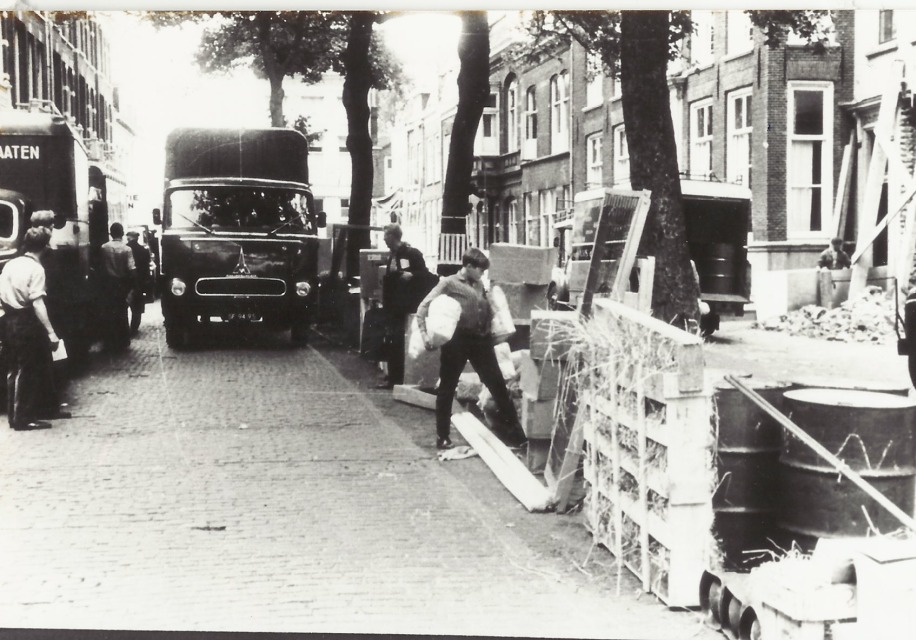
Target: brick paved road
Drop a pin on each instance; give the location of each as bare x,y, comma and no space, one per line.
252,487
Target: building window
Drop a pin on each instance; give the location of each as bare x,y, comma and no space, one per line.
702,40
531,226
701,139
559,114
594,161
446,144
562,200
886,29
512,116
740,35
594,77
516,228
809,163
530,148
621,156
546,203
738,150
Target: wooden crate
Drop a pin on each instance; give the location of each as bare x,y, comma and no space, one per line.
648,459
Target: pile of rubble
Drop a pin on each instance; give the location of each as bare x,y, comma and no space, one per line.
866,318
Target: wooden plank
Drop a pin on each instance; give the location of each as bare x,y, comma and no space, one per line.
571,454
646,283
628,259
507,468
868,214
844,185
413,395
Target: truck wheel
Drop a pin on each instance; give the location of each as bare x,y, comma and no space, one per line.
299,333
176,335
709,324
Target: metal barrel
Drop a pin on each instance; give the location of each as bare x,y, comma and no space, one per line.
747,464
716,267
873,434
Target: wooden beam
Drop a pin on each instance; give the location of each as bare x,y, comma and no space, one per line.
844,184
877,167
507,468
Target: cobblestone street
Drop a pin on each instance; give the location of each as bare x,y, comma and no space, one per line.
248,486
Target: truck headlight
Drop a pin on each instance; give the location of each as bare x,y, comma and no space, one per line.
178,287
303,289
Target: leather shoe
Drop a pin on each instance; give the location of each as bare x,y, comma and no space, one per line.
443,443
32,426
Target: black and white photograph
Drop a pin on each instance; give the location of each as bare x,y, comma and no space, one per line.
528,322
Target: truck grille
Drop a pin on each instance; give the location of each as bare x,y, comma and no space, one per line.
240,286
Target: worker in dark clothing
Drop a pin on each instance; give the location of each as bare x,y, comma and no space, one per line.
471,342
28,336
118,277
833,257
141,261
406,282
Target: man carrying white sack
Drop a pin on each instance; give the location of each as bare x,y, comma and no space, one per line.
471,342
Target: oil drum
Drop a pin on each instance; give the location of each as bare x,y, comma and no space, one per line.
873,434
747,464
716,267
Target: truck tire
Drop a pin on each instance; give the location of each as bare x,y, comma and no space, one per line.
176,335
299,333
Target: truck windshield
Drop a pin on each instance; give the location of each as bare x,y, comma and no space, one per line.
239,208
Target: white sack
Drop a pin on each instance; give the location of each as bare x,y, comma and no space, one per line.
440,324
501,326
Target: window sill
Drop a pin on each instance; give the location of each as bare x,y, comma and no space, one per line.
881,49
591,107
738,54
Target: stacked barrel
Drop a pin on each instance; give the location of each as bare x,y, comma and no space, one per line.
774,492
745,500
873,434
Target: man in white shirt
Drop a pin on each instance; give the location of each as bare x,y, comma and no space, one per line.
28,336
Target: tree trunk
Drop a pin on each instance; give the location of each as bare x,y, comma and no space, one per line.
473,90
276,101
653,161
272,69
359,141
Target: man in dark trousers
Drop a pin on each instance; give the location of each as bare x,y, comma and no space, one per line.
405,283
28,336
471,342
118,276
141,261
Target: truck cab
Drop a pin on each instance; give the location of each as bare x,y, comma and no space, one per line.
239,232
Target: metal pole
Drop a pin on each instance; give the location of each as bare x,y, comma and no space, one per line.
819,449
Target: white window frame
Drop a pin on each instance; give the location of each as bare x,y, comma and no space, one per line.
739,35
530,219
621,155
798,221
701,132
594,161
530,145
514,227
546,214
488,142
886,19
559,113
739,134
594,89
702,40
512,116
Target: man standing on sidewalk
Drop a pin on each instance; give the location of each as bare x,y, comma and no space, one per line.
28,336
118,277
141,261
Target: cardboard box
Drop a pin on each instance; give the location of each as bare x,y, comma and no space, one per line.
537,417
551,334
540,379
518,263
886,577
369,262
523,299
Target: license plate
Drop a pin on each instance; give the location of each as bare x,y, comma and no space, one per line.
244,317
